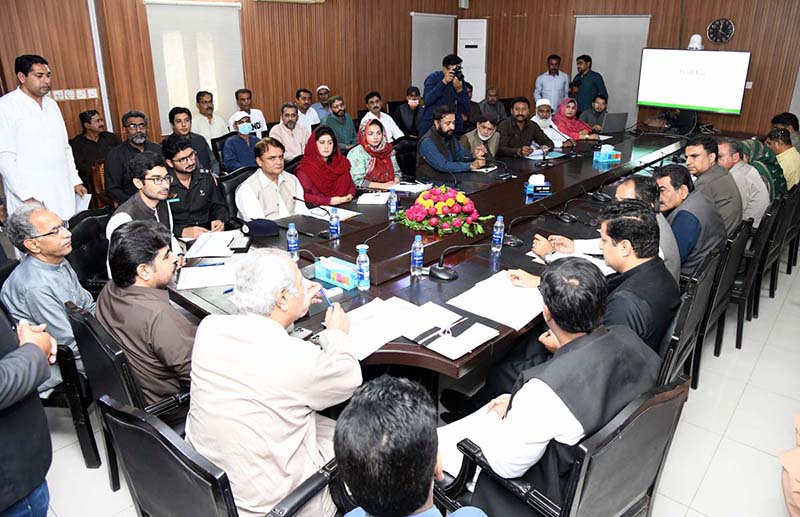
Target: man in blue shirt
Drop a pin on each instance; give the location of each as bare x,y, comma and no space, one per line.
588,83
445,88
387,450
239,150
440,153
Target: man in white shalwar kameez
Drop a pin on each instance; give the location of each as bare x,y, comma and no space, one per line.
35,156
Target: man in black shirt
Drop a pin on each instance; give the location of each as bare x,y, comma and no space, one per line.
92,145
195,200
181,121
518,133
119,181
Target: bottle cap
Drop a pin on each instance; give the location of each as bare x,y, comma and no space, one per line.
499,218
333,210
418,238
362,248
291,226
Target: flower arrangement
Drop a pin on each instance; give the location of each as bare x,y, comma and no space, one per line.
443,210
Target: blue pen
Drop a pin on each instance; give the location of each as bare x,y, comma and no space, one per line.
209,265
325,297
228,290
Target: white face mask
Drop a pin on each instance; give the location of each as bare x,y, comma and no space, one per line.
484,138
413,103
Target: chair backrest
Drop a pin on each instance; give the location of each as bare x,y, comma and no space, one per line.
794,217
785,213
292,164
620,464
89,243
729,261
217,146
165,475
759,244
105,362
405,149
6,268
97,182
228,183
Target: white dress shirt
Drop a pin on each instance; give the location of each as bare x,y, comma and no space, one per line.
294,140
35,156
514,444
584,248
250,207
256,118
553,88
209,129
755,196
550,129
390,127
308,119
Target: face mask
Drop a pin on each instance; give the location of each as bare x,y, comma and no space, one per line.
413,103
245,128
485,138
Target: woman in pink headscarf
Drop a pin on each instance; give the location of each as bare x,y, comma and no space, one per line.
567,121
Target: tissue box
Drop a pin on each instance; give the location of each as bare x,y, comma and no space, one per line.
607,156
336,271
538,191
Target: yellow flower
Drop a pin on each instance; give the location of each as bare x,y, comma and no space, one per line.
450,202
427,203
461,198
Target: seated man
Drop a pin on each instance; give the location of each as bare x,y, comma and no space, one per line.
196,202
208,124
92,144
37,289
375,110
752,189
322,106
517,132
713,180
181,121
440,153
134,308
695,222
409,115
789,122
238,150
270,192
256,390
305,115
533,431
244,100
292,135
484,135
117,171
341,123
491,105
544,120
474,107
596,116
780,142
387,450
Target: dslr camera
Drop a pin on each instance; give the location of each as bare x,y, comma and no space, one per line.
458,73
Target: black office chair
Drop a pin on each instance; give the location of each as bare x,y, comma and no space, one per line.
292,164
110,374
73,392
405,150
616,470
90,248
270,125
218,146
777,240
793,232
165,475
690,318
228,185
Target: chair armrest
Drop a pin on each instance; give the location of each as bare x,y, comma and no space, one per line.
169,404
294,502
518,487
234,223
467,471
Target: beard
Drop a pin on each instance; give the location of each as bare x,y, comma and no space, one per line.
139,138
290,125
339,113
447,135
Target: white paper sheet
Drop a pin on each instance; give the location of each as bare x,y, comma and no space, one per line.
372,326
213,244
603,138
344,214
206,276
426,317
455,347
497,299
82,203
373,198
412,188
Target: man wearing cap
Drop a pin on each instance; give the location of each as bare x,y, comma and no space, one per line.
321,106
239,150
543,118
244,99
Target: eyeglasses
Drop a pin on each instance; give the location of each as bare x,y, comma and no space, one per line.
186,159
158,180
56,229
134,127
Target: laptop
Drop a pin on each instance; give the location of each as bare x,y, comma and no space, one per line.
615,122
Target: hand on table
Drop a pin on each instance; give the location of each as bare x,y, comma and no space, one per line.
562,244
541,246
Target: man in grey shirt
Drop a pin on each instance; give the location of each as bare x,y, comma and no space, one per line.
596,116
716,184
44,280
752,189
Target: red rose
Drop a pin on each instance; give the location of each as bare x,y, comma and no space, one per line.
457,223
433,221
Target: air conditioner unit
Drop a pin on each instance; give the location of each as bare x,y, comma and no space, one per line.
292,1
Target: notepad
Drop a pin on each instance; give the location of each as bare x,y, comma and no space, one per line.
373,198
206,276
455,347
213,244
344,214
497,299
371,326
412,188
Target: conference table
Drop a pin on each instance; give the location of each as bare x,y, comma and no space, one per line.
572,178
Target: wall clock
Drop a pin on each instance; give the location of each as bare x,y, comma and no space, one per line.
720,30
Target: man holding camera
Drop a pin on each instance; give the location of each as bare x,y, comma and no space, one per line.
445,88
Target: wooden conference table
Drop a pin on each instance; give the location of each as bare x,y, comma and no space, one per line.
571,178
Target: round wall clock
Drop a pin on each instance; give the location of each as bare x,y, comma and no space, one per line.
720,30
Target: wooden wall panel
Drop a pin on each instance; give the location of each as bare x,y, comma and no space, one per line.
59,31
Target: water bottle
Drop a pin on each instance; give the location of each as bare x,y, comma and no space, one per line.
333,224
498,230
362,268
417,252
292,242
391,204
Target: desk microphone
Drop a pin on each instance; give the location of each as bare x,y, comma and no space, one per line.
554,128
455,180
311,205
441,272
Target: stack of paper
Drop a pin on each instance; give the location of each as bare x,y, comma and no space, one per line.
412,188
206,276
374,198
497,299
372,326
213,244
344,214
455,347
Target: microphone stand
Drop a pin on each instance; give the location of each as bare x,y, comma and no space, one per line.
441,272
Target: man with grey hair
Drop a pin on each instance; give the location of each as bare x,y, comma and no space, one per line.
755,196
256,389
119,182
292,136
37,289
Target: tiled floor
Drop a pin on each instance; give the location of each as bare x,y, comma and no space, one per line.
723,461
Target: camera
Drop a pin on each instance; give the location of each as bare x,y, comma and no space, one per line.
458,73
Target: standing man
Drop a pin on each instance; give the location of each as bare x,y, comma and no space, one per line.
553,84
36,159
491,105
244,99
752,189
238,150
518,133
92,144
322,106
293,136
305,115
713,180
587,82
119,180
181,121
445,88
341,123
209,125
375,105
780,142
596,116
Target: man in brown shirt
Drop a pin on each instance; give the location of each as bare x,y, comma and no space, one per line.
135,309
518,133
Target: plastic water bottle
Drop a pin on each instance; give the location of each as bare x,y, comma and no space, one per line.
333,224
292,242
391,204
417,253
498,230
362,267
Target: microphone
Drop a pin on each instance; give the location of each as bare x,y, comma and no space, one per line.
312,205
455,180
554,128
445,273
